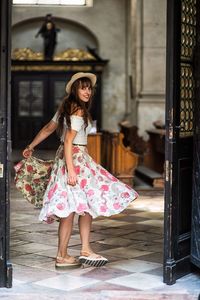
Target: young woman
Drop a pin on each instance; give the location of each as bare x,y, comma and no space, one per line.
77,184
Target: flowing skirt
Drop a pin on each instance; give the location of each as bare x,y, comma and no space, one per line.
97,192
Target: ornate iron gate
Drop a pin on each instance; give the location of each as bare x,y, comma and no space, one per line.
5,143
180,98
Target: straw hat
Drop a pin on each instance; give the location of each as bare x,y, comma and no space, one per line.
79,75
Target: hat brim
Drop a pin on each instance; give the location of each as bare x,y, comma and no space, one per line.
79,75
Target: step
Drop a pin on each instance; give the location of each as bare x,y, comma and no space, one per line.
141,185
150,176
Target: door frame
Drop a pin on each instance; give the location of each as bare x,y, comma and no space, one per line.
170,137
178,151
5,143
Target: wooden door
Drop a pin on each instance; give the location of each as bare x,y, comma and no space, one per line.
29,107
195,232
180,100
57,83
5,143
35,98
56,93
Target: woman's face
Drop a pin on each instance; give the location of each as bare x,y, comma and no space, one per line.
84,93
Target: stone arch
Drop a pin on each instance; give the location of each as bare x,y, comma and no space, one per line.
72,35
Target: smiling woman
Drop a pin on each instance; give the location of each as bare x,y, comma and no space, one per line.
54,2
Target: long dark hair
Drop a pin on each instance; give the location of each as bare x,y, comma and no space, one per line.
71,104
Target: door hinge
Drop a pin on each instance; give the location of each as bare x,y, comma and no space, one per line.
171,132
168,170
1,170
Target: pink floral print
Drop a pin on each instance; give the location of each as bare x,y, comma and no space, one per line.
31,179
83,183
116,205
52,191
75,150
90,193
97,192
103,208
29,168
81,207
77,170
63,170
93,172
125,195
104,187
60,206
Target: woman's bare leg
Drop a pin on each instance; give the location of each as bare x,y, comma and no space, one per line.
64,233
87,256
85,223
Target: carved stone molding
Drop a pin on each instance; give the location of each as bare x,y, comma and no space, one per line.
66,55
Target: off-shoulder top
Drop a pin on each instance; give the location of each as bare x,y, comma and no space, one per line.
77,124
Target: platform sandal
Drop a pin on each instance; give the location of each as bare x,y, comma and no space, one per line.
66,262
92,259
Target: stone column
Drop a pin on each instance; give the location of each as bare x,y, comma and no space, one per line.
148,62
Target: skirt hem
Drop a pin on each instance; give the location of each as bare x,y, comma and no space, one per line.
54,217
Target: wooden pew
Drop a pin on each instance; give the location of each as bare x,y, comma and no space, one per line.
124,161
94,146
107,149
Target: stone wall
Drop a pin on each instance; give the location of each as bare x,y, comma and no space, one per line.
150,60
131,34
107,24
71,35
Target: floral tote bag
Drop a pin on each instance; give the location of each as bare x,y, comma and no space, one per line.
31,178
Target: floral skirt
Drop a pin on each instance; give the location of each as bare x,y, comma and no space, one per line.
32,177
97,192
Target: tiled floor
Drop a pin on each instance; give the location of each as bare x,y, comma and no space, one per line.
132,241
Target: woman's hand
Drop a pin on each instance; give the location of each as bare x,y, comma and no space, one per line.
68,153
27,152
72,177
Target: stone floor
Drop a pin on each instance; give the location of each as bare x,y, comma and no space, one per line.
132,241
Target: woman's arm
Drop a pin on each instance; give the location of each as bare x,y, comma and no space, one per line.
68,141
48,129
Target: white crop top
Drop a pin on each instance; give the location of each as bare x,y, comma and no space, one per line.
77,123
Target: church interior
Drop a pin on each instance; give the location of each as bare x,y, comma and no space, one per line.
123,49
124,43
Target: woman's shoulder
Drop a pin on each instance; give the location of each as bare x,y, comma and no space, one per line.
78,112
77,117
77,121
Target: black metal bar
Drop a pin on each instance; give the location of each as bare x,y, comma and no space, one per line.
5,144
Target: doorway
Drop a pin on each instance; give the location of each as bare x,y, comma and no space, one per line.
177,213
181,131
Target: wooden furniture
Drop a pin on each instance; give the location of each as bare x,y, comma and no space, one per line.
117,158
124,161
151,153
94,146
107,149
150,176
152,169
132,139
156,157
